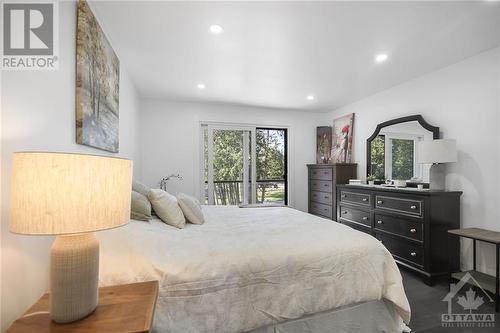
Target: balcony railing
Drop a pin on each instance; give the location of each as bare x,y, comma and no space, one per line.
230,192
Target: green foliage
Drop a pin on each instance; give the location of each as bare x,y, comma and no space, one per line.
402,159
378,157
371,178
228,163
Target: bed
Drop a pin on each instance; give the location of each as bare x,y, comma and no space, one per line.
259,270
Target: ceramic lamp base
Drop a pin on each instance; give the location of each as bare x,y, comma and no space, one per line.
74,275
437,177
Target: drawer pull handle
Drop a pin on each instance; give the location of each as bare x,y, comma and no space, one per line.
413,231
365,199
327,197
326,173
343,196
365,218
413,207
325,185
325,209
344,212
380,202
413,254
380,222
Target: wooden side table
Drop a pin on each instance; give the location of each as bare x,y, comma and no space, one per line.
486,281
125,308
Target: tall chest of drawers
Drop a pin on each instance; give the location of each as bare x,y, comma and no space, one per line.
411,224
323,180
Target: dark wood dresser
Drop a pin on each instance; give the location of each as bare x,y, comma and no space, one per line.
323,180
412,224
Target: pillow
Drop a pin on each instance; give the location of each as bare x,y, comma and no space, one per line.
191,208
140,187
166,207
140,209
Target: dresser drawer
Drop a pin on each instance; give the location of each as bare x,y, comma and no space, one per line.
403,250
355,215
400,205
355,198
320,209
359,227
321,174
398,226
321,197
321,185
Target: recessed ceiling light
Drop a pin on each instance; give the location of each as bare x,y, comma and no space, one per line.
310,97
201,86
381,57
216,29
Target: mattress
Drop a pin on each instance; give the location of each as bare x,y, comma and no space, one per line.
250,268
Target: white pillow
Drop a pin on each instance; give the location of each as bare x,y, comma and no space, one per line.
191,208
166,207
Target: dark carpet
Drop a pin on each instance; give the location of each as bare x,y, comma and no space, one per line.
427,307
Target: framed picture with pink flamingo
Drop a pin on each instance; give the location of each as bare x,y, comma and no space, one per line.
342,139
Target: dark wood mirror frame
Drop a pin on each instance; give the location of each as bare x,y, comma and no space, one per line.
433,129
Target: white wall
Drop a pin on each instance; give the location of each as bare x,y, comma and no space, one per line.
171,141
38,113
464,101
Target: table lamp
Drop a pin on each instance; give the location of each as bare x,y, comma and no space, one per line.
71,196
437,152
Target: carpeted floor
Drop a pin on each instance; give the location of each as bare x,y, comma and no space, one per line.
427,307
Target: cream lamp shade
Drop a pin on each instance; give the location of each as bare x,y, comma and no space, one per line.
65,193
437,151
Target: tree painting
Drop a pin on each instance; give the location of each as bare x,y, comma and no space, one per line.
97,84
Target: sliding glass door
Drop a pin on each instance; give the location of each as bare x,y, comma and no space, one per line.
271,165
244,165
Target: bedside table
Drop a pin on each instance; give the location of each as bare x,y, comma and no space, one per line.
127,308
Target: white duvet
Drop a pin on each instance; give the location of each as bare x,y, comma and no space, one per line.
251,267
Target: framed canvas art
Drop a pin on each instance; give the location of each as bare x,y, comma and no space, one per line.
97,84
342,139
323,144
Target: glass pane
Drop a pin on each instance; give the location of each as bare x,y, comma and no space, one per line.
228,167
270,164
402,159
378,157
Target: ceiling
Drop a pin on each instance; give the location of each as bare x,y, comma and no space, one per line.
274,54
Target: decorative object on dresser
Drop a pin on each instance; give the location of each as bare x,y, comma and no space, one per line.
342,139
437,152
71,196
323,144
486,282
125,308
411,223
323,179
391,151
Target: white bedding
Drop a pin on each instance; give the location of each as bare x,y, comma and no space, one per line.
247,268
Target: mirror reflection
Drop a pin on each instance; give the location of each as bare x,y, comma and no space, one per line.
394,153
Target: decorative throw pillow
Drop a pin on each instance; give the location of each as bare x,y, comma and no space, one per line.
166,207
140,208
191,208
140,187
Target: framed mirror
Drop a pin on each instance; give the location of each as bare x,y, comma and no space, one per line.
391,150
